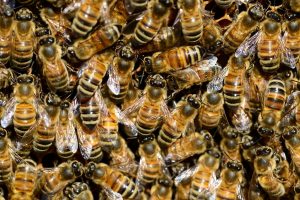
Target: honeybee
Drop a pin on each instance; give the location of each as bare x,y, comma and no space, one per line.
7,77
152,164
56,179
87,16
231,181
120,74
122,157
212,37
118,13
101,39
151,106
295,6
22,40
203,181
151,22
89,143
45,134
176,125
173,59
162,190
133,6
65,139
78,191
200,72
54,68
6,25
211,110
113,181
230,144
91,75
245,24
6,160
191,20
255,191
291,115
24,181
195,143
264,166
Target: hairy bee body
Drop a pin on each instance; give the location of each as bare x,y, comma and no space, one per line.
174,59
185,112
295,5
245,24
212,37
90,113
24,181
111,179
191,21
78,191
162,190
151,22
211,109
6,25
6,162
101,39
22,40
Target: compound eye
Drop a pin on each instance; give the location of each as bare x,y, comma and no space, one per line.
217,155
20,80
65,105
3,133
29,79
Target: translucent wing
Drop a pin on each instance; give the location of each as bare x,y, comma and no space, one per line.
135,106
290,105
165,110
27,139
66,138
112,195
287,53
72,7
85,66
113,81
14,154
248,47
125,120
185,174
9,112
43,115
84,145
216,84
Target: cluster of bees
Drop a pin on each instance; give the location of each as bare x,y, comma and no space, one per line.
149,99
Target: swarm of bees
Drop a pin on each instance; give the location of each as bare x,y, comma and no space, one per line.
150,99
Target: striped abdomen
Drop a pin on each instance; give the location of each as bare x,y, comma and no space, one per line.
24,118
292,43
5,166
151,170
275,95
200,184
5,48
22,53
90,113
233,88
44,137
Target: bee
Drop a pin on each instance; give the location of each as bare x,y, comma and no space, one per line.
7,77
245,24
173,59
101,39
23,40
175,126
89,143
162,190
212,37
112,180
151,22
191,20
295,5
121,70
56,179
264,166
24,180
152,165
78,191
65,139
195,143
230,144
118,13
134,6
87,16
255,191
45,134
200,72
211,110
122,157
6,160
6,25
53,67
231,181
92,74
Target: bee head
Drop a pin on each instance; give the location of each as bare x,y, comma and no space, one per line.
193,101
264,151
161,7
256,12
24,14
289,132
65,105
234,166
42,31
188,4
52,99
213,98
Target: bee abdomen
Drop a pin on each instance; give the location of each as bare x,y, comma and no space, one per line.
24,118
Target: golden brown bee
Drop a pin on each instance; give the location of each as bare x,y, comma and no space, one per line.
78,191
295,5
211,110
93,72
66,140
118,14
53,67
133,6
151,22
120,74
173,59
176,125
6,27
291,114
111,180
245,24
54,180
191,20
230,144
7,77
195,143
255,191
6,166
24,181
151,165
23,40
122,157
162,190
101,39
231,181
212,37
46,132
264,166
234,82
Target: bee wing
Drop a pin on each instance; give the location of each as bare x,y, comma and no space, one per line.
240,192
84,145
113,81
290,105
248,47
43,115
286,52
135,106
26,140
224,123
214,183
112,195
165,110
125,120
72,7
216,83
84,66
185,174
13,152
66,138
9,112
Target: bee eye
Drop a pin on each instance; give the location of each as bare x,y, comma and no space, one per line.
217,155
20,80
207,137
29,79
193,102
3,133
65,105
